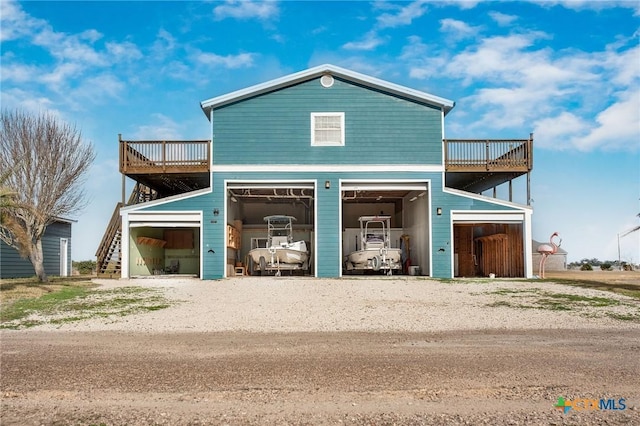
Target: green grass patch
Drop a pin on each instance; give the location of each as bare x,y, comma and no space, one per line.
501,303
584,300
514,291
624,317
589,306
73,303
629,290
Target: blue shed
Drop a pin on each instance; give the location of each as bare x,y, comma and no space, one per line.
327,146
56,251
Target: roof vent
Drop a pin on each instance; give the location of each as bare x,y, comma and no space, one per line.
326,80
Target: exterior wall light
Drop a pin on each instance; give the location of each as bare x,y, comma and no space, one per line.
327,184
216,212
439,211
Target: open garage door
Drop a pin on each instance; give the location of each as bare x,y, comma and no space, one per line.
270,227
162,244
406,205
489,244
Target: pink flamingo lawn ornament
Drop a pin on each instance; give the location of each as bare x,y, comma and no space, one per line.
547,249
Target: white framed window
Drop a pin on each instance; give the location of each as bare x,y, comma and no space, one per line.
327,129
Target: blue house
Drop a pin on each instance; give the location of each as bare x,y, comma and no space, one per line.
56,251
325,145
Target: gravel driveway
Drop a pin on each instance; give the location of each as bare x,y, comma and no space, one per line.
363,350
294,304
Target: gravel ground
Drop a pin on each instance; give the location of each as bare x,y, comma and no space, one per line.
357,351
294,304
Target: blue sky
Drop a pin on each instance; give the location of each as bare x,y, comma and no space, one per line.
568,71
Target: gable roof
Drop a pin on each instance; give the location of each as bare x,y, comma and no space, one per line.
315,72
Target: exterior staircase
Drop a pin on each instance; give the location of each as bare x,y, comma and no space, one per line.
109,253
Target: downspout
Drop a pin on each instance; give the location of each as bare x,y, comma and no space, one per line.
203,255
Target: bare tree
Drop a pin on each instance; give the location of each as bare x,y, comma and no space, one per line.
45,162
6,194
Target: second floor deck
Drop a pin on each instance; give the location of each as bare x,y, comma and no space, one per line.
169,167
172,167
476,165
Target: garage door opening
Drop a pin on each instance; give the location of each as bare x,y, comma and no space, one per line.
382,221
484,249
265,221
164,251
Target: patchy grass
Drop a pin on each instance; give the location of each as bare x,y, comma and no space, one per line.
624,317
629,290
584,300
26,304
589,306
25,288
515,291
626,283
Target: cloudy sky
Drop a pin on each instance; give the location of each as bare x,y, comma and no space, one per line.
567,71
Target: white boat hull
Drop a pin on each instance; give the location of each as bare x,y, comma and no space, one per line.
279,255
375,259
291,256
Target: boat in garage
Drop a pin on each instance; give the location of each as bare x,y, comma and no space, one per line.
280,252
376,252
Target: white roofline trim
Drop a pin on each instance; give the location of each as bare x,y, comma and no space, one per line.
289,80
160,201
327,168
487,199
64,220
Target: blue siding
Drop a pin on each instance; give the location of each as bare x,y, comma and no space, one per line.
327,201
275,128
14,266
441,229
213,227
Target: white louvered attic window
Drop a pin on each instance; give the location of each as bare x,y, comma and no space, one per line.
327,129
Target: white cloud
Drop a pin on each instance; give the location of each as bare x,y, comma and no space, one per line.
76,57
557,131
99,88
424,60
560,93
163,128
64,47
457,29
370,41
319,30
262,10
591,4
124,51
16,98
624,65
19,73
502,19
501,58
15,23
616,127
403,15
61,75
241,60
164,44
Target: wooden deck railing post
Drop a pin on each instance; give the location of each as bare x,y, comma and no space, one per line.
446,153
486,157
164,156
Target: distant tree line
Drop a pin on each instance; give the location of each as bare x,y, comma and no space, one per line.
605,265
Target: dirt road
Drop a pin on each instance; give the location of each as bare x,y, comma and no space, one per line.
464,377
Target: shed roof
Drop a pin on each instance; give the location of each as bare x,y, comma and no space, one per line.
292,79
